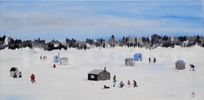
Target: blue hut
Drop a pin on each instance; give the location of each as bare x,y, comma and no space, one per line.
138,57
57,58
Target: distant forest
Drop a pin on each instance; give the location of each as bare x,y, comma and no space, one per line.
151,42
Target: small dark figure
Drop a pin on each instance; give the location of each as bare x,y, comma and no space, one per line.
40,57
154,60
149,60
121,84
134,83
32,78
114,80
106,87
19,74
192,67
193,94
128,83
54,66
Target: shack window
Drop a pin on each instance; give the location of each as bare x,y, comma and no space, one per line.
92,76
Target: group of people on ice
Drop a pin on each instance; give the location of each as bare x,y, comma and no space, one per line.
154,60
43,57
121,84
134,84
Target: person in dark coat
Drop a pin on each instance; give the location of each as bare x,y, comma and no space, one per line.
192,67
154,60
20,74
114,80
32,78
149,60
106,87
134,83
54,66
121,84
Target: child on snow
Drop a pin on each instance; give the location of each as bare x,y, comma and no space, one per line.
134,83
121,84
128,83
192,67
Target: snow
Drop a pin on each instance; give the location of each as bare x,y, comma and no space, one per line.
160,81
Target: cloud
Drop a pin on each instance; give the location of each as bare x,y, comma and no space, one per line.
102,17
203,8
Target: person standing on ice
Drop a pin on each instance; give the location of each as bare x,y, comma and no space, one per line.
54,66
121,84
193,94
134,83
114,80
192,67
128,83
149,60
154,60
20,74
32,78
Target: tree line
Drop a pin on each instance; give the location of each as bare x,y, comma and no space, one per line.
151,42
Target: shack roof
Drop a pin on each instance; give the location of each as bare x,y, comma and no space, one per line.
96,71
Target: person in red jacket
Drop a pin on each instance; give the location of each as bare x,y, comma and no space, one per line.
32,77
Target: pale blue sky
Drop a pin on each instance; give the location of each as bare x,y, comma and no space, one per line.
82,19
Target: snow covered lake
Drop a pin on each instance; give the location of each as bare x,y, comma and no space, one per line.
159,81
